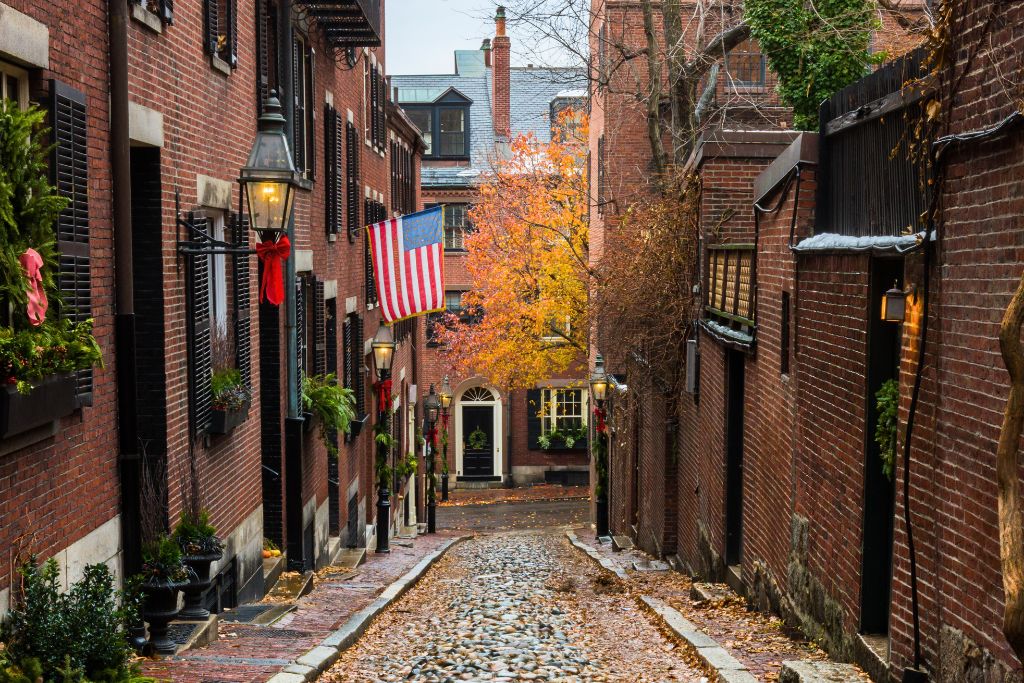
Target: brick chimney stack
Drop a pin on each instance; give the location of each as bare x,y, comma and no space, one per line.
486,47
501,48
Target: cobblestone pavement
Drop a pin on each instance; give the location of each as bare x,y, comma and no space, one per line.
516,515
520,605
523,493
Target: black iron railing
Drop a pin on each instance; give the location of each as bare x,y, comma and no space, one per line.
347,23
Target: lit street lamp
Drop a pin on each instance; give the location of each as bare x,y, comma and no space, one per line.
269,178
599,390
383,354
431,406
446,403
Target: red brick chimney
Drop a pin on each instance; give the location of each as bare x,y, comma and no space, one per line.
486,47
501,48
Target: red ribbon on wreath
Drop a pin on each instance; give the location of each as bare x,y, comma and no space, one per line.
32,262
272,254
600,415
384,394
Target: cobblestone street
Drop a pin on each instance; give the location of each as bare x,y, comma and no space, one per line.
520,605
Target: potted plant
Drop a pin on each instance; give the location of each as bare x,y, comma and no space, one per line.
200,548
164,574
567,438
332,405
231,400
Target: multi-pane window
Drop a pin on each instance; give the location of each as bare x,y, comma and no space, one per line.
221,24
729,290
13,85
561,410
218,277
453,301
303,67
452,131
456,225
423,120
567,116
403,190
746,65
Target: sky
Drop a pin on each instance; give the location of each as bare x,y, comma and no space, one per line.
423,34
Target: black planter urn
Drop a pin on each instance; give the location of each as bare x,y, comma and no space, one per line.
50,399
195,590
159,608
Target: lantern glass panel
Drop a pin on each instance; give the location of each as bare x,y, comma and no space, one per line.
270,204
894,306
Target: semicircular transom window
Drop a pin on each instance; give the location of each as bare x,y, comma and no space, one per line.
478,394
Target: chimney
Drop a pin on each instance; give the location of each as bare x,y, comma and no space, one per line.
501,49
486,47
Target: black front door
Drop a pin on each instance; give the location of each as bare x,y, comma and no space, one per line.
734,460
477,441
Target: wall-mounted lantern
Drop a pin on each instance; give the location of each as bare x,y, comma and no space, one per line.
269,178
894,303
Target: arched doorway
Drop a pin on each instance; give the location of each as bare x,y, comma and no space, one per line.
478,435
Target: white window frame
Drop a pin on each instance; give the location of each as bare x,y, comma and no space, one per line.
21,97
218,276
549,417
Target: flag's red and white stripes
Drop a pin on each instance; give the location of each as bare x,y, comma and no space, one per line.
417,284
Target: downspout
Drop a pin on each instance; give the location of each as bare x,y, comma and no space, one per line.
124,294
287,87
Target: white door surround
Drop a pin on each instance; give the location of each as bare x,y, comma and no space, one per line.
476,395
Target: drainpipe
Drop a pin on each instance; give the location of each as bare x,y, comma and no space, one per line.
129,463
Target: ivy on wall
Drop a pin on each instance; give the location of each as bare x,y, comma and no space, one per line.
816,47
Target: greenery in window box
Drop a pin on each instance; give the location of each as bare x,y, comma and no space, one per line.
407,466
228,389
196,536
332,404
74,635
887,400
27,356
567,436
162,563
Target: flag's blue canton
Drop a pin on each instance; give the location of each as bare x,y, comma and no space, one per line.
421,229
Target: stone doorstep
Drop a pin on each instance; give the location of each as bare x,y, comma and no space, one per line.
309,666
205,634
819,672
596,556
350,558
711,592
622,543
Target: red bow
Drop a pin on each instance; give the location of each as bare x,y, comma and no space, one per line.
432,439
444,421
602,427
32,262
272,254
384,394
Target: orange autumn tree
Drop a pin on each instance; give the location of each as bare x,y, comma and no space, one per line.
525,318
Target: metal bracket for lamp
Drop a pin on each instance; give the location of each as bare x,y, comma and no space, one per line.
201,242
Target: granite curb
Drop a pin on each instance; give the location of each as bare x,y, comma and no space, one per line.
714,656
309,666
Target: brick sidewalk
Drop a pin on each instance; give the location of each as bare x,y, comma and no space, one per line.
759,641
460,497
250,653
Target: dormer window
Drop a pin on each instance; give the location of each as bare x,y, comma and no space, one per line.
444,121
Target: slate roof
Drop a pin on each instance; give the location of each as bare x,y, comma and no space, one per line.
532,91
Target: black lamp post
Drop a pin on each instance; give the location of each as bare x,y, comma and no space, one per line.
431,407
446,403
383,354
599,390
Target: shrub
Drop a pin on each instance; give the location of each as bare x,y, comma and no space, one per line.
74,636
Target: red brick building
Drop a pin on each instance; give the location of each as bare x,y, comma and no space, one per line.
143,440
468,119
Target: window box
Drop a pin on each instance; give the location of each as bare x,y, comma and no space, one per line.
224,421
309,418
356,426
558,444
49,400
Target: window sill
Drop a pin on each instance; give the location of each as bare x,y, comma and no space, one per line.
220,65
305,184
455,251
739,88
147,18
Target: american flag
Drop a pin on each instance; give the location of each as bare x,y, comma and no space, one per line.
416,242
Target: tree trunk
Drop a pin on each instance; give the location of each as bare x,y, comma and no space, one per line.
654,128
1011,531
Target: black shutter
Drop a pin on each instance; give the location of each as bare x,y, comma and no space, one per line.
232,6
534,405
200,354
332,169
352,171
346,353
299,99
210,26
70,168
358,377
301,331
382,97
319,329
369,277
309,110
241,266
